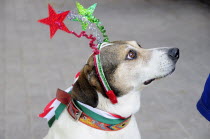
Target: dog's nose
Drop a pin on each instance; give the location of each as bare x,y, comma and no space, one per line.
173,53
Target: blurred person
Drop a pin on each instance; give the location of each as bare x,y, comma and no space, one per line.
203,104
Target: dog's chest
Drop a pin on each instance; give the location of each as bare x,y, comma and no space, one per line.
67,128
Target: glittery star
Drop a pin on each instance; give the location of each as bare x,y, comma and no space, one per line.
55,21
87,13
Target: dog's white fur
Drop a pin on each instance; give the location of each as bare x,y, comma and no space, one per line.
158,66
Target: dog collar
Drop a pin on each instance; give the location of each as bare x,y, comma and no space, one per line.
81,112
90,116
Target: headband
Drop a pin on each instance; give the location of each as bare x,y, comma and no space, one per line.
87,21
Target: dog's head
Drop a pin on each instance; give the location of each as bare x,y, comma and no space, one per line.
127,66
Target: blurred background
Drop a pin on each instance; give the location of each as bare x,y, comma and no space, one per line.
33,66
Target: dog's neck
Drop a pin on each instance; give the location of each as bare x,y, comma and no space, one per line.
127,104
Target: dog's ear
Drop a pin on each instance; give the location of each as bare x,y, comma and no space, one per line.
86,87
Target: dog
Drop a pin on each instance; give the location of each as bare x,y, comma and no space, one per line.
128,69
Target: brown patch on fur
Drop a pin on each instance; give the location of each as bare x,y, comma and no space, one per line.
86,87
146,56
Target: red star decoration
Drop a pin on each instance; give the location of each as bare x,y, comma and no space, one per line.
55,21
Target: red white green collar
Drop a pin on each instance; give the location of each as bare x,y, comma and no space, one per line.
84,113
101,120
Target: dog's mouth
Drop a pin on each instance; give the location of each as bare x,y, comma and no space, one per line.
153,79
149,81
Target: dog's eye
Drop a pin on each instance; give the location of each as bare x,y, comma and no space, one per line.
131,55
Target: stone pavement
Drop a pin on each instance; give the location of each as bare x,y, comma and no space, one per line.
32,66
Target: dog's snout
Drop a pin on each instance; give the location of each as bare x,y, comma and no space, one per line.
173,53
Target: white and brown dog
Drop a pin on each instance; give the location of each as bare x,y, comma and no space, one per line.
128,68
